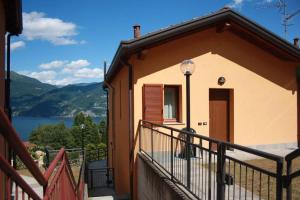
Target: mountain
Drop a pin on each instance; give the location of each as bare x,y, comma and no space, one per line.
26,86
52,101
83,84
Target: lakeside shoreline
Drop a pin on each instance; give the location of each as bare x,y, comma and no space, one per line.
25,125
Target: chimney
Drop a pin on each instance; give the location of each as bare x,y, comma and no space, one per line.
296,42
136,31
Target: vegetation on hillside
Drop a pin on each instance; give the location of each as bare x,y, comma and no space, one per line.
26,87
32,98
58,135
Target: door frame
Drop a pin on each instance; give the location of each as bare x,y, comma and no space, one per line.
230,113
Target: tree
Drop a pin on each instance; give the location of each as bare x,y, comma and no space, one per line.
90,131
57,136
102,131
95,152
53,136
79,119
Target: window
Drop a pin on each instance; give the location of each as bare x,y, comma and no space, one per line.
171,100
161,103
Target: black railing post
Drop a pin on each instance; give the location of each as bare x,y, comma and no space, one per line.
140,135
221,172
279,180
201,150
172,156
92,179
107,176
209,169
47,158
152,142
188,160
188,128
288,179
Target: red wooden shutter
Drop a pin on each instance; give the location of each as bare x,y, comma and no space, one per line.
153,103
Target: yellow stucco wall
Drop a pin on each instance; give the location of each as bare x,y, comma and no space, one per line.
119,131
264,86
264,90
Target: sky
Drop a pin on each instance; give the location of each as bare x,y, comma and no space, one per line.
66,41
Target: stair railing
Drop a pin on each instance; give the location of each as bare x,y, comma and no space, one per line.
58,185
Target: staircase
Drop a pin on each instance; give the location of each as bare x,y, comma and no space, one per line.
57,182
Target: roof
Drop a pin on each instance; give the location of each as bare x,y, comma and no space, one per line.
267,38
13,16
28,144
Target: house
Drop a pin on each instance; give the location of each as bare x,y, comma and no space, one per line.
10,22
244,89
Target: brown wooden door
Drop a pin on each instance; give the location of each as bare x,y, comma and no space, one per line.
219,115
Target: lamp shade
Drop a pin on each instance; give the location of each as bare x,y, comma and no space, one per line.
187,67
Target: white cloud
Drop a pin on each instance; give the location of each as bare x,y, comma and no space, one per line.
67,66
43,76
39,27
63,81
89,73
236,3
63,72
83,42
53,64
78,64
17,45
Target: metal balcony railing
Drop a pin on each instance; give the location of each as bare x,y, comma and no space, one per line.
211,169
58,182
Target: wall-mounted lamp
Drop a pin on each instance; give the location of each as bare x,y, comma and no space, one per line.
221,80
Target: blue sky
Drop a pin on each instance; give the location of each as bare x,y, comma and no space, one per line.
66,42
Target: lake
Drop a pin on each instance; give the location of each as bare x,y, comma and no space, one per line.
24,125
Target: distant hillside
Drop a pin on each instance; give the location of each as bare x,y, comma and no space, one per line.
24,86
50,101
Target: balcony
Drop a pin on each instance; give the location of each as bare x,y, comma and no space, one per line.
197,168
200,167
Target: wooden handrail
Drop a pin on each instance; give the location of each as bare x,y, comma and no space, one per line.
53,164
70,170
9,133
80,183
9,170
15,143
63,170
55,179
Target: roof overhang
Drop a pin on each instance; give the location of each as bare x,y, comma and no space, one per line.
240,25
13,16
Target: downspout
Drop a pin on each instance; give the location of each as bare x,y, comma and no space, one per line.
7,80
130,115
111,89
107,114
10,153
